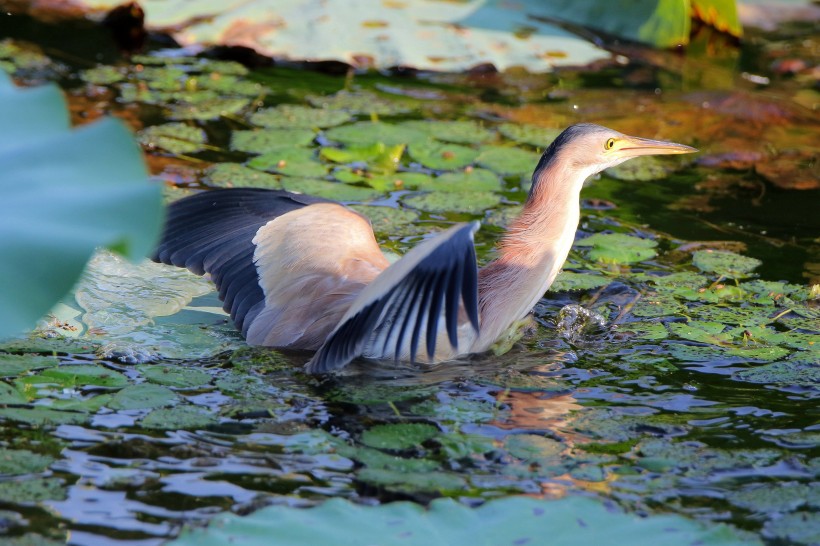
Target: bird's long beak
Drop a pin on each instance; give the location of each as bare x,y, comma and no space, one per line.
630,146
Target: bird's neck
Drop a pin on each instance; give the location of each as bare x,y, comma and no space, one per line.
531,254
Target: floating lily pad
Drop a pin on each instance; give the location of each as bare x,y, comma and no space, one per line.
703,332
85,374
233,175
387,219
797,527
180,417
293,116
569,280
14,365
18,57
534,135
176,138
211,66
398,436
360,102
209,109
503,217
458,410
270,140
533,448
164,78
646,330
290,162
396,181
381,158
724,263
23,461
174,376
461,132
470,202
677,280
33,490
365,133
102,75
618,248
508,160
775,291
463,446
329,190
10,395
435,155
373,458
641,169
143,396
784,373
745,316
468,180
42,416
785,497
571,521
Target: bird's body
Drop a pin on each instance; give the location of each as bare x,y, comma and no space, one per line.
302,272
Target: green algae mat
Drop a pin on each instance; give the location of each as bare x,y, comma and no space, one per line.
665,390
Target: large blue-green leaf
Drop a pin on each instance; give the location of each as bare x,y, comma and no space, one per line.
65,192
514,520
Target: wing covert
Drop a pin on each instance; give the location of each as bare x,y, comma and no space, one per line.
405,304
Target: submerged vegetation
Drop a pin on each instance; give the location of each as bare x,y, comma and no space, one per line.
671,370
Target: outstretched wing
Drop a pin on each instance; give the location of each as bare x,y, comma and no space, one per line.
212,232
436,279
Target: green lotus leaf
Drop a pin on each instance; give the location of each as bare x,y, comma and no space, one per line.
32,491
468,180
507,160
360,102
641,169
365,133
209,109
42,416
387,220
438,156
233,175
23,461
176,138
569,280
174,376
534,135
179,417
290,162
724,263
102,75
381,158
470,202
398,436
270,140
460,132
329,190
81,375
618,248
13,365
143,396
293,116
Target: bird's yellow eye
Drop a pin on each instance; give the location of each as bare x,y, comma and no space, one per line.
609,144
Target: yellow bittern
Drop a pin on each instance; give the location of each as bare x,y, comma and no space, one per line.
302,272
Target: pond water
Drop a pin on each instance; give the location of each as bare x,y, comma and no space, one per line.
691,388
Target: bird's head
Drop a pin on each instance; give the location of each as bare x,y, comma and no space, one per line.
585,149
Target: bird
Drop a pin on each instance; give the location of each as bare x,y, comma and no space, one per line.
302,272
